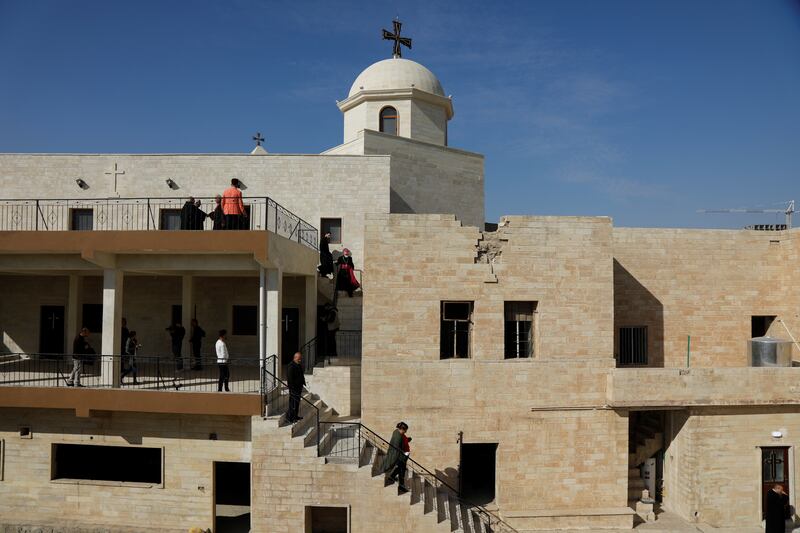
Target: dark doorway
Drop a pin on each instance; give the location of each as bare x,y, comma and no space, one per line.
326,519
477,472
231,497
759,325
290,341
92,318
51,329
774,470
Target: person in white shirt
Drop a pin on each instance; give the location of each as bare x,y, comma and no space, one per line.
222,361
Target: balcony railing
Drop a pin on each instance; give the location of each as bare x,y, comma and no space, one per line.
144,214
146,372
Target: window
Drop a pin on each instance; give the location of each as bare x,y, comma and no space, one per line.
633,345
169,219
759,325
82,219
334,226
456,326
245,320
519,329
92,318
388,120
106,463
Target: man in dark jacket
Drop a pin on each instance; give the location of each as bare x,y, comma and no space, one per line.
196,341
777,510
296,380
81,350
177,333
191,216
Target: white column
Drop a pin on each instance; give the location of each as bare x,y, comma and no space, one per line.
262,316
73,308
310,326
187,313
274,307
112,326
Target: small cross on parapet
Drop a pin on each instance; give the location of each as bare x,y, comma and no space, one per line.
398,40
258,138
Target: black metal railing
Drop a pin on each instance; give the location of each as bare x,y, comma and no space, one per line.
276,398
146,372
143,214
326,347
346,440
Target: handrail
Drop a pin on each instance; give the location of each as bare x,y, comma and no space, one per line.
376,440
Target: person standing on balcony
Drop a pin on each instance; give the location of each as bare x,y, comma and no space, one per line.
190,215
177,334
296,380
233,207
222,361
217,215
81,350
124,336
346,277
196,334
325,267
131,348
397,455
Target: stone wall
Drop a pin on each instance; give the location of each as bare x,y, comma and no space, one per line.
705,284
184,501
545,413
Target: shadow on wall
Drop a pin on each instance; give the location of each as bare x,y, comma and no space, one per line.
635,306
397,204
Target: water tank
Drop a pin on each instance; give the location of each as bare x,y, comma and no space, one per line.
769,351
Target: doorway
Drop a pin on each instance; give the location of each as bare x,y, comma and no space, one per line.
231,497
51,329
477,470
326,519
290,338
774,470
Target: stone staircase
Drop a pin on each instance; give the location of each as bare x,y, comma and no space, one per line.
646,439
436,506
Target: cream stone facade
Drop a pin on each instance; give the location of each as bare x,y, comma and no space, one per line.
581,359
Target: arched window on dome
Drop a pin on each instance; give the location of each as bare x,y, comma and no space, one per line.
388,120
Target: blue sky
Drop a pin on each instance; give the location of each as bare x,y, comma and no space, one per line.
643,111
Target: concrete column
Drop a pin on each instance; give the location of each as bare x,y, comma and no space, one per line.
262,315
274,309
112,327
187,314
73,310
310,321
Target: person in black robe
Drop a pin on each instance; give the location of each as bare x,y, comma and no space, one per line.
346,276
296,381
325,267
177,333
196,334
189,214
777,510
217,215
199,216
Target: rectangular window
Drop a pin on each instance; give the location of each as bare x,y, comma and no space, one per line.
245,320
334,226
169,219
456,329
106,463
81,219
633,345
92,318
519,329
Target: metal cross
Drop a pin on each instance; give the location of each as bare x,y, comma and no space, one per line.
258,138
405,41
115,173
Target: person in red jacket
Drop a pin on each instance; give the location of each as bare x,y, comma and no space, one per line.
233,207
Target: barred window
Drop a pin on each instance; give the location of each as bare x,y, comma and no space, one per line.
82,219
633,345
519,329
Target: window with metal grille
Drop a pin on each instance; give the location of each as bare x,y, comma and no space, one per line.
332,226
456,329
519,329
170,219
633,345
82,220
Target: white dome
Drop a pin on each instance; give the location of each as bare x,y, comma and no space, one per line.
396,73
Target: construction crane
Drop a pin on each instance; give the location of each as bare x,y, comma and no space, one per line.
788,211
